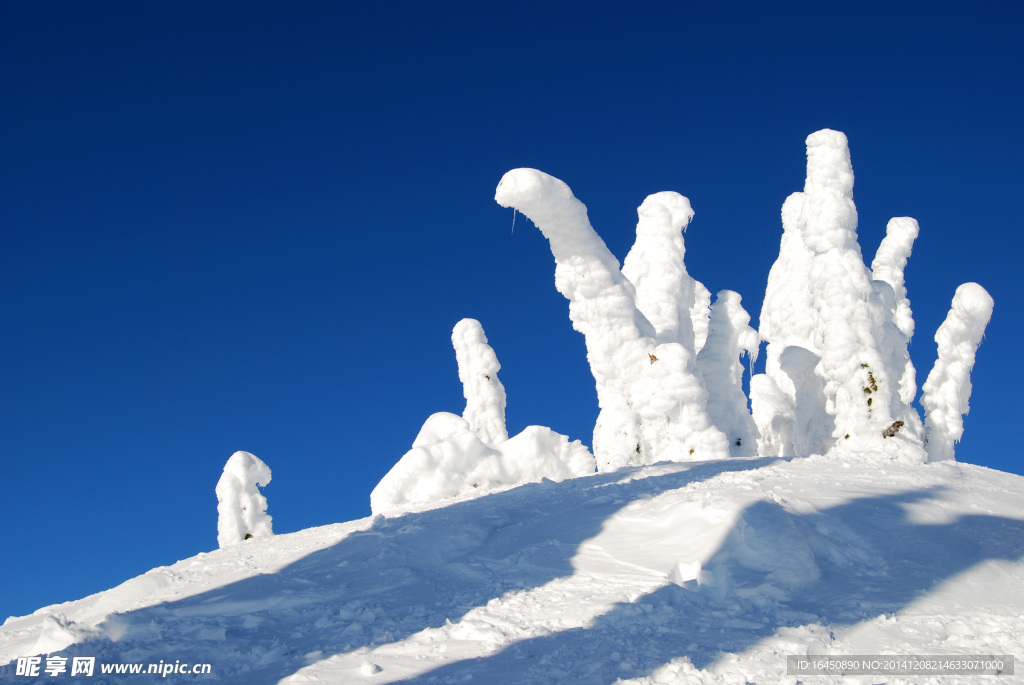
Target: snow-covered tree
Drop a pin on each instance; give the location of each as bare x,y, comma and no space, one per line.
241,507
472,454
948,387
825,311
729,337
653,404
478,371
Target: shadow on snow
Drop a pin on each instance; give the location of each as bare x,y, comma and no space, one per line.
384,584
774,570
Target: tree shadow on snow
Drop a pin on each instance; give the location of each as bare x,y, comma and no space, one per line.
381,585
834,567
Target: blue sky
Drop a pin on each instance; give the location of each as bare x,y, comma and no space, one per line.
253,225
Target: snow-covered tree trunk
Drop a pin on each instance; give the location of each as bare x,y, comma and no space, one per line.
729,337
947,390
478,371
651,398
241,508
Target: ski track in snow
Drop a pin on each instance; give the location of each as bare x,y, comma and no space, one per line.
706,572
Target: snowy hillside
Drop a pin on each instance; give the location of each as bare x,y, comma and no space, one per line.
700,572
695,543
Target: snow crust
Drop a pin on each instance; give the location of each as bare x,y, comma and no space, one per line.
241,507
948,387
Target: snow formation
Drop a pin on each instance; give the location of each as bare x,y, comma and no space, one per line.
242,508
948,387
478,371
838,376
652,399
472,454
729,338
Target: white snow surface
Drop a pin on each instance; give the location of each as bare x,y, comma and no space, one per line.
700,572
241,507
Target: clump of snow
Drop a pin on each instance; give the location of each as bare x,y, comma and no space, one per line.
242,508
948,387
729,337
448,460
455,456
478,371
650,393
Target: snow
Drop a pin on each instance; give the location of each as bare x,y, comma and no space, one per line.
651,397
242,508
472,454
700,542
729,338
702,572
948,387
478,371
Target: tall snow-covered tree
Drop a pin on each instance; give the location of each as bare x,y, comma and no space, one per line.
824,310
947,390
653,403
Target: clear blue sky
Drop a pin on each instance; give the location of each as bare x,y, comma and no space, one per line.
252,225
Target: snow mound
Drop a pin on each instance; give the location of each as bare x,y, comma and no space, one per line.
699,572
448,460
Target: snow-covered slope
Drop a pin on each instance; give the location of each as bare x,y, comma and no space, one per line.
701,572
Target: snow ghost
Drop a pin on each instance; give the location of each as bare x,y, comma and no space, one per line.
948,388
241,507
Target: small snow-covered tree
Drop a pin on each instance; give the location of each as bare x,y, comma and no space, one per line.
947,390
729,337
241,507
478,371
472,454
653,404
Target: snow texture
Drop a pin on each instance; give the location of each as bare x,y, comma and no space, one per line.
729,338
653,403
478,371
948,387
241,507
